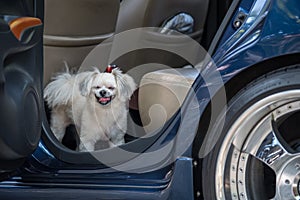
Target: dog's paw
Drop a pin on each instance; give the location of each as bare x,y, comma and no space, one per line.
86,147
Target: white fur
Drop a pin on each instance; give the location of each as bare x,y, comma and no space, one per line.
73,100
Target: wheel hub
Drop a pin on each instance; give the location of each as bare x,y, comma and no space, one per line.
289,180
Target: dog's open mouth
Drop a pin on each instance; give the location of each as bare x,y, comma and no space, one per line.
104,100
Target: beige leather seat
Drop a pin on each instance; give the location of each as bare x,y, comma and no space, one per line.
72,28
162,93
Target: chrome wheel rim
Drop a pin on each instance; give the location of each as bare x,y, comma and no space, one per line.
254,137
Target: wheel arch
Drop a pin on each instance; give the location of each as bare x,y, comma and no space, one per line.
235,84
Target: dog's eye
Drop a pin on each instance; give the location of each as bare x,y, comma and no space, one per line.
97,87
111,88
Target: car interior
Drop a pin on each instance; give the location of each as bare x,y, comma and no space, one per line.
73,29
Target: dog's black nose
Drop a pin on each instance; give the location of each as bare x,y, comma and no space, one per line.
102,93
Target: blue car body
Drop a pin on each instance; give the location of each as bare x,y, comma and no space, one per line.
268,39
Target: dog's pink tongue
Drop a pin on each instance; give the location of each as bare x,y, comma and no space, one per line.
104,99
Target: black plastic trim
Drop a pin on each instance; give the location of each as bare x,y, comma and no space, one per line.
227,19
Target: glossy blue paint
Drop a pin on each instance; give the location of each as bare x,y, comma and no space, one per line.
274,33
272,30
105,186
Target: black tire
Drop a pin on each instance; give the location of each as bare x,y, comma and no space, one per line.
245,159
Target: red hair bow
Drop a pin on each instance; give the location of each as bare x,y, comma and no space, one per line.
110,68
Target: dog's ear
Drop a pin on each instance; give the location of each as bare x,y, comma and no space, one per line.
85,86
125,84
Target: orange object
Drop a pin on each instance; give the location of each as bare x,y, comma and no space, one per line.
17,26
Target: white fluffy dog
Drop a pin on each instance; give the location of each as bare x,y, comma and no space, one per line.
95,102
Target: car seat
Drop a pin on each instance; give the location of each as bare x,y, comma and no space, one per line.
72,28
